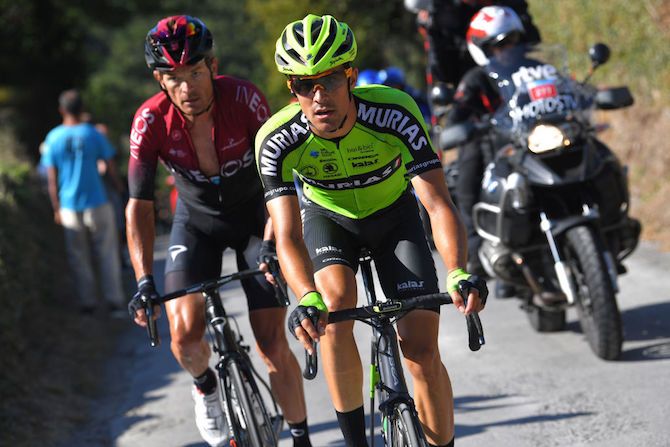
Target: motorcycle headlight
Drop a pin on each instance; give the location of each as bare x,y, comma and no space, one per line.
545,138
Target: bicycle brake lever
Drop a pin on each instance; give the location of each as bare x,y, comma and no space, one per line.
281,290
474,324
152,330
311,362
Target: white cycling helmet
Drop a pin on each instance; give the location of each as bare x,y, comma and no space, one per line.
491,26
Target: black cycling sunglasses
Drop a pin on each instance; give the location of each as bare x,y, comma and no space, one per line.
329,81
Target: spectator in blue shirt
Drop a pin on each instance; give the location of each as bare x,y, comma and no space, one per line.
81,206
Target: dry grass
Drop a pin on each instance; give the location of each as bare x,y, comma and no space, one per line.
638,135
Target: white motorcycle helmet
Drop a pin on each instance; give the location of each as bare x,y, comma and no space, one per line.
491,26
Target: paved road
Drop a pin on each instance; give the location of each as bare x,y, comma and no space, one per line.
522,389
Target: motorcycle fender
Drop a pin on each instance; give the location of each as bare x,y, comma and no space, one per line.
560,226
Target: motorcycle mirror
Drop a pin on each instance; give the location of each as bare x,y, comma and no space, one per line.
441,95
599,54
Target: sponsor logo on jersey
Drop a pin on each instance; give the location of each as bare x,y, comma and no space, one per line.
309,171
404,125
330,168
252,99
283,138
358,181
228,169
361,148
140,126
364,163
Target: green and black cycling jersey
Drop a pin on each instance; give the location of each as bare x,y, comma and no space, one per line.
355,175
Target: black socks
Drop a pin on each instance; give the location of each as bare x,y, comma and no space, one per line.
450,444
352,424
206,382
300,434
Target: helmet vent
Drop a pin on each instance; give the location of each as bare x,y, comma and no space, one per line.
346,45
316,30
298,34
327,44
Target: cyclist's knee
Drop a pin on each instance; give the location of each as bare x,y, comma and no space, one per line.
423,361
340,331
273,350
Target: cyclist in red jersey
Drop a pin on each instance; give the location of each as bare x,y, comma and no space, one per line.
201,127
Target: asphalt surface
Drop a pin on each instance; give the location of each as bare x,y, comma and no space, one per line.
521,389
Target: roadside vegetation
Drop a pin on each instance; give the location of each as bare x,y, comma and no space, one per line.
51,364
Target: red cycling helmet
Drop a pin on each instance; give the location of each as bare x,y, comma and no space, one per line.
177,41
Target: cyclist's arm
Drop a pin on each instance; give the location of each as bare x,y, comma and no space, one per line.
140,227
293,257
448,230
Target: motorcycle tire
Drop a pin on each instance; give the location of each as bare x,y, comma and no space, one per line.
597,308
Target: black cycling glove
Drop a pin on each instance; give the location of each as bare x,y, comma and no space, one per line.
458,276
146,293
310,306
267,252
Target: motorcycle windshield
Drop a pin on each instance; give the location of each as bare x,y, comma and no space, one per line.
535,87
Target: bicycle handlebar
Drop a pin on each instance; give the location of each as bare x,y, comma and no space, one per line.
213,285
390,309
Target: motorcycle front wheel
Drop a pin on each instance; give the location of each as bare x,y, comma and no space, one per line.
596,303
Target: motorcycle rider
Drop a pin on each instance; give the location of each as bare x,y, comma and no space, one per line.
493,30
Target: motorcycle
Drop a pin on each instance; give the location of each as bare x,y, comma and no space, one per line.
553,208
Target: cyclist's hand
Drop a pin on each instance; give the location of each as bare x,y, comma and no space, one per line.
267,253
307,321
146,293
476,299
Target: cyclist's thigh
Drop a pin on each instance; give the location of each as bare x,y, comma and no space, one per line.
193,256
418,332
334,251
328,242
403,259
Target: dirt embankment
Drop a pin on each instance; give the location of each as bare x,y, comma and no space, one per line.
639,135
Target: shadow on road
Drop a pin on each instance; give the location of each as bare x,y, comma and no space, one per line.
645,323
474,403
466,404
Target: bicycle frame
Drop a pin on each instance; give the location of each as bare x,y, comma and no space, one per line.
386,370
227,343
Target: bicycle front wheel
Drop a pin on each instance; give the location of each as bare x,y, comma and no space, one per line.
240,406
406,430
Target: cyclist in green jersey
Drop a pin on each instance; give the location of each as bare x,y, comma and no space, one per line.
355,150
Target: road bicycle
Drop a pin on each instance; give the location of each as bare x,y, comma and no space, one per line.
400,422
253,417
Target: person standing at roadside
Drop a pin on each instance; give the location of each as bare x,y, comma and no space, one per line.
71,154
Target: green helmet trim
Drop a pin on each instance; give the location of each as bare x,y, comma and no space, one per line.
313,45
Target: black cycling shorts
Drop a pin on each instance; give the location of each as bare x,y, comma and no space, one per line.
394,236
197,243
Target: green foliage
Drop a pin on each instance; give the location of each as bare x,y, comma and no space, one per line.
636,32
385,32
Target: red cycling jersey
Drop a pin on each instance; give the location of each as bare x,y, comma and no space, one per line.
159,131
